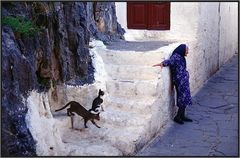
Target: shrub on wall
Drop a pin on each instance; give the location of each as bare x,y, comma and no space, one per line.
21,26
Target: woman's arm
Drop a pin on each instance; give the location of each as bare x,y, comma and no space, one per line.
167,62
160,64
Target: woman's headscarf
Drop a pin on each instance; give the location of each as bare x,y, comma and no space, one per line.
181,49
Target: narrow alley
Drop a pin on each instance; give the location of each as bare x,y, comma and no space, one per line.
214,130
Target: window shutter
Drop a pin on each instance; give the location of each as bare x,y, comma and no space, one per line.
148,15
159,16
136,15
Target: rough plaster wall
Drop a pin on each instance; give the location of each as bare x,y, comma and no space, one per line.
228,42
203,58
42,125
216,40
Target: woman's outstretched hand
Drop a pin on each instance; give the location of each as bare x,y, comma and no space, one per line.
160,64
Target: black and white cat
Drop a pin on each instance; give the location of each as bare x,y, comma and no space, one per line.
96,104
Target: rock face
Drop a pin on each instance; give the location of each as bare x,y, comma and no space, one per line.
104,17
57,54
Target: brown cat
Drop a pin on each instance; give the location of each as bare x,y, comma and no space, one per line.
80,110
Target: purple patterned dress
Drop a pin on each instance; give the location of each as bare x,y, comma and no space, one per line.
180,77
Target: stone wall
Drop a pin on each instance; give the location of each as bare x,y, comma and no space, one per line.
209,29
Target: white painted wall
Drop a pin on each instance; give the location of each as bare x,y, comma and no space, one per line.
209,28
228,42
203,58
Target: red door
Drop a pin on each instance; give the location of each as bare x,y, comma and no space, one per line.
148,15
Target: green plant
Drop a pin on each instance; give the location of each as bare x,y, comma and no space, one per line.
21,26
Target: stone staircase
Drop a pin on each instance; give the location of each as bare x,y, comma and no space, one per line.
131,107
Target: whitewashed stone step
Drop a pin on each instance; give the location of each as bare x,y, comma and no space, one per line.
112,116
62,120
131,88
131,58
112,139
118,117
140,105
126,139
118,140
132,72
84,142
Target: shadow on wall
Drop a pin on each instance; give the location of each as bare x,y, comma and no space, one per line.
140,46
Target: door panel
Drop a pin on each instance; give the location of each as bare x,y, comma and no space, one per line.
159,16
148,15
136,15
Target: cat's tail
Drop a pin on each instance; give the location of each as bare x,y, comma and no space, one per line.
63,107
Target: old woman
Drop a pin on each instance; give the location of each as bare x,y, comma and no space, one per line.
180,77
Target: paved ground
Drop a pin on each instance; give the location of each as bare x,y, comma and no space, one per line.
214,131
